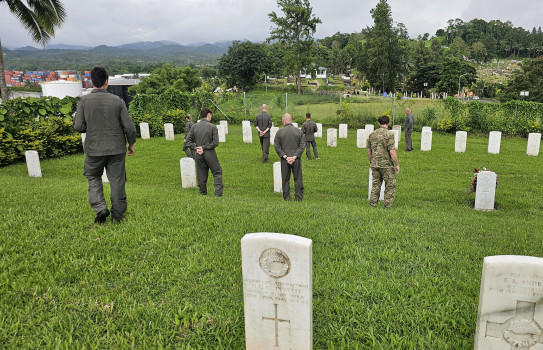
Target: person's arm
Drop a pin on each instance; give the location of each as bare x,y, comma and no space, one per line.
127,124
256,125
369,154
190,140
394,157
301,146
277,146
79,122
214,139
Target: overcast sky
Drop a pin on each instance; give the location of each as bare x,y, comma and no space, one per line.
107,22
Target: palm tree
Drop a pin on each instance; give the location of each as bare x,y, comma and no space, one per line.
40,18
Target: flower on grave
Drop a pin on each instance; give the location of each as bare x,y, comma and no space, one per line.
474,178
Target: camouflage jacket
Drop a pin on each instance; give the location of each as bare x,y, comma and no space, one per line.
381,142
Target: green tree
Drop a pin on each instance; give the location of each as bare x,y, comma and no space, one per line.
244,64
527,79
295,32
180,78
451,71
40,18
383,60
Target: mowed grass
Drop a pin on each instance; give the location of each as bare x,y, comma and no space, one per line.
170,275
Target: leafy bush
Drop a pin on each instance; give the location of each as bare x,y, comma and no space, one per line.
41,124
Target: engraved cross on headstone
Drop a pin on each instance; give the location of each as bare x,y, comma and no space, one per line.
276,319
521,331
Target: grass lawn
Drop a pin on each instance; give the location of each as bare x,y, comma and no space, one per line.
170,275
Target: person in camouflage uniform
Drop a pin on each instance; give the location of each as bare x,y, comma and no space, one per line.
382,156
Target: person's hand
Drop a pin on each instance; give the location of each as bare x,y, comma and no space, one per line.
199,150
397,168
262,133
131,150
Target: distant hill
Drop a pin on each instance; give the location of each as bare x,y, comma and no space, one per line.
132,56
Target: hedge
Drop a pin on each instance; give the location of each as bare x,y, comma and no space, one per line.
41,124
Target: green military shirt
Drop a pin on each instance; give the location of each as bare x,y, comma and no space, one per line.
309,128
381,142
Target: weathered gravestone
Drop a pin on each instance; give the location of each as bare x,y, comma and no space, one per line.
382,194
485,192
33,163
277,179
168,131
343,131
399,128
319,130
273,131
331,137
144,131
460,141
225,123
277,291
534,141
494,141
362,138
396,138
188,172
426,140
247,131
83,138
370,128
426,128
105,179
222,133
510,314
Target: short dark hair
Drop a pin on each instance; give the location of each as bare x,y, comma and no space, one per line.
204,112
308,115
383,120
99,76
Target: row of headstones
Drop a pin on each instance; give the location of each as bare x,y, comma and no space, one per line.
484,195
170,135
278,302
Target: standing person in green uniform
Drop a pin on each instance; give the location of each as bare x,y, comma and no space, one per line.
309,128
289,145
204,138
408,129
263,124
188,125
103,116
383,162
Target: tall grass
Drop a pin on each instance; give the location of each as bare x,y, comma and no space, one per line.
170,275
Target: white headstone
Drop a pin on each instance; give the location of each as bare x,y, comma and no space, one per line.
188,172
370,128
510,311
486,190
382,194
362,138
225,123
144,131
273,131
396,138
399,128
199,120
343,131
295,124
104,177
222,133
534,141
426,128
460,141
319,130
168,131
33,163
494,141
83,138
247,131
426,140
277,179
331,137
277,291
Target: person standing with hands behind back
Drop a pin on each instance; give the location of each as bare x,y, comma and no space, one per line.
103,116
204,138
382,157
263,124
408,129
289,145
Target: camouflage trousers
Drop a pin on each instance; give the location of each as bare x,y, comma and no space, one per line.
388,175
